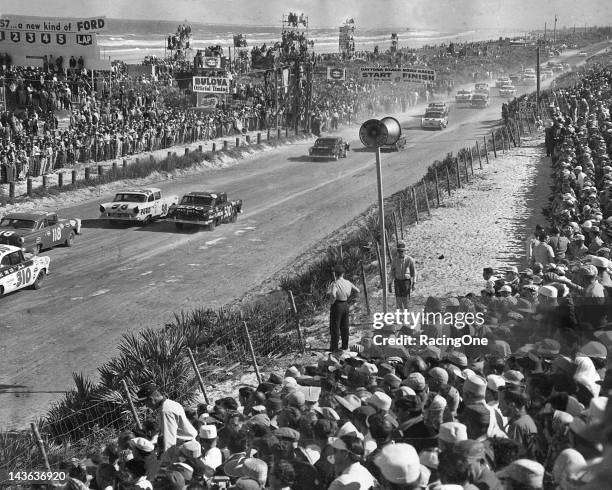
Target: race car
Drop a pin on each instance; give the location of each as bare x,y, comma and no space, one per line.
34,232
434,119
463,96
502,81
507,90
204,209
480,101
438,106
328,148
19,270
137,206
583,54
481,88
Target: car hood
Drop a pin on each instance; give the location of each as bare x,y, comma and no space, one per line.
121,206
14,233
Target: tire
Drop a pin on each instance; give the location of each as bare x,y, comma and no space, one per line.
147,221
70,240
39,279
179,226
1,291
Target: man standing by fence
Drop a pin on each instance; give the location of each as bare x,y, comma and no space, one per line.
174,427
339,290
403,275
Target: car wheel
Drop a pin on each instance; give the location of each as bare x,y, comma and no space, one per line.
1,291
39,279
147,221
179,226
70,240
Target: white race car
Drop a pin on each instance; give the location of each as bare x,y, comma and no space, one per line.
137,206
434,119
507,90
19,270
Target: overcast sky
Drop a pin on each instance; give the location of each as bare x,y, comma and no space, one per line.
416,14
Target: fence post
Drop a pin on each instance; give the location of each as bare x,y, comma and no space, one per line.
479,155
200,148
510,133
437,186
379,258
458,175
518,132
494,144
186,151
268,135
100,171
416,205
297,322
528,123
471,161
253,359
214,147
125,164
486,149
401,218
74,177
237,142
467,175
198,375
448,189
169,155
114,166
365,289
388,246
286,131
29,186
397,239
503,136
12,189
278,133
426,198
131,403
45,181
41,446
225,145
87,173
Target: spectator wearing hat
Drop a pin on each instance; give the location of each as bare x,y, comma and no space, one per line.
144,450
211,455
171,480
531,242
474,393
577,249
559,243
472,454
400,468
402,276
348,454
282,476
495,387
174,426
339,290
521,427
323,431
409,412
523,474
542,251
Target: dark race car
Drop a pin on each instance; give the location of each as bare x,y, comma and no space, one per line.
329,148
34,232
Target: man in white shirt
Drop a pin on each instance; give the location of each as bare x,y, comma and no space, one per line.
174,427
211,454
339,290
348,452
403,276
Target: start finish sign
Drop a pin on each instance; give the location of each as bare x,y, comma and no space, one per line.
386,74
211,85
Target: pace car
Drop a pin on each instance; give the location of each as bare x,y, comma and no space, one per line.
34,232
19,270
434,119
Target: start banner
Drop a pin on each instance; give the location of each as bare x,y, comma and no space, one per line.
336,73
211,85
387,74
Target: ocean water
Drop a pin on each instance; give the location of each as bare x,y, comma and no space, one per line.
132,40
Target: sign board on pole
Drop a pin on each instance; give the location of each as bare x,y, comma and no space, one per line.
211,62
211,85
388,74
336,73
208,102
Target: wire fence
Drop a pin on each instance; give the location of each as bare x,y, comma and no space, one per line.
203,349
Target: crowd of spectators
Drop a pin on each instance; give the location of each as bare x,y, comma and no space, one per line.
529,411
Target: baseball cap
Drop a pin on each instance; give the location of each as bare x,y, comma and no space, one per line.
524,471
452,432
399,463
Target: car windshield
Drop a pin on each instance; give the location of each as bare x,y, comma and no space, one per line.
325,142
22,224
480,97
433,114
464,92
197,200
128,197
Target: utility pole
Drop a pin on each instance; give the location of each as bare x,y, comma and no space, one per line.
538,81
555,31
544,33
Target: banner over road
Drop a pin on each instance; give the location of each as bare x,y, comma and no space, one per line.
388,74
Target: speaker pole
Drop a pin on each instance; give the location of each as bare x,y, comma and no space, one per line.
381,219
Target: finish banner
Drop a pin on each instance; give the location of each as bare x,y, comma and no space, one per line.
211,85
386,74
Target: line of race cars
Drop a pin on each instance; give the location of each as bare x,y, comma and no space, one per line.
23,236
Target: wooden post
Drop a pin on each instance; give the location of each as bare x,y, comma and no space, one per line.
12,189
479,155
511,133
397,238
259,138
401,218
29,186
41,446
365,289
528,123
518,132
60,179
416,204
74,177
45,181
437,186
169,156
471,161
388,247
200,148
286,131
253,359
458,175
225,144
100,171
237,142
268,135
297,322
448,189
131,404
198,375
380,271
186,151
486,149
426,198
214,147
503,143
494,144
467,176
278,134
114,166
125,164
